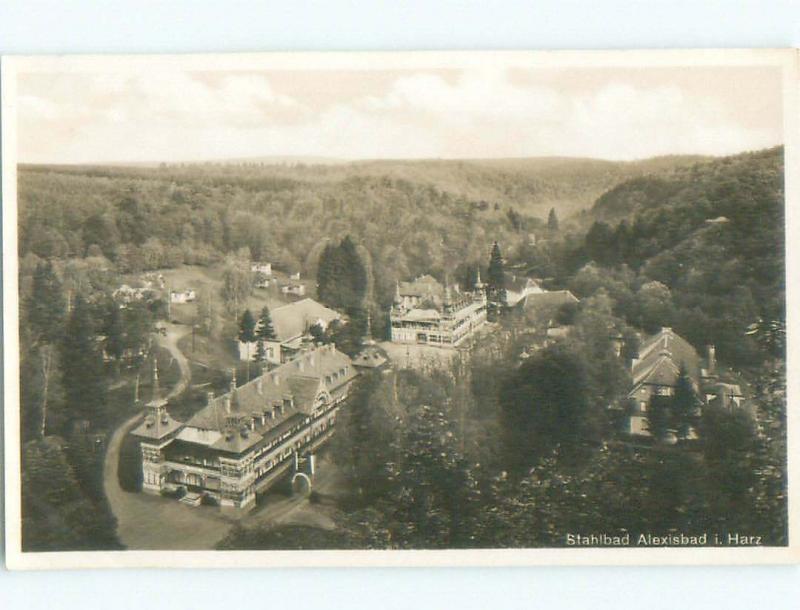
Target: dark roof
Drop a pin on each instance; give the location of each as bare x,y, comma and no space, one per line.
370,358
292,386
157,428
660,359
304,391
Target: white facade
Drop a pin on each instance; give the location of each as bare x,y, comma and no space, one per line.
295,289
260,267
426,313
182,296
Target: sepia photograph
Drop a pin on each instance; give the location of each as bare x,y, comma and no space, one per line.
464,308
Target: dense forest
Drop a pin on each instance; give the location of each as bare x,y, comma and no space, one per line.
410,217
700,248
512,447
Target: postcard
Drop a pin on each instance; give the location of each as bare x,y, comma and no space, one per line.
400,309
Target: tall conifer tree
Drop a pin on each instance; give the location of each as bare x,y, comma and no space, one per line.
265,331
82,365
46,311
496,280
552,220
46,305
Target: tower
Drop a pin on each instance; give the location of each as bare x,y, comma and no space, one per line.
155,433
398,300
368,340
479,286
157,407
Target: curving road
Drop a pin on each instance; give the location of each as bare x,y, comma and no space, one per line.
174,334
147,522
152,522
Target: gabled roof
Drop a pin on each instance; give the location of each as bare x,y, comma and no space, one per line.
294,319
662,371
518,283
553,298
660,359
304,391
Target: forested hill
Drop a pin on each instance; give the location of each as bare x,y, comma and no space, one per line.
531,185
706,184
711,234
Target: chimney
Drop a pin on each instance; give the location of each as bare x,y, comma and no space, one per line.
276,379
233,379
259,386
712,359
228,403
209,397
617,343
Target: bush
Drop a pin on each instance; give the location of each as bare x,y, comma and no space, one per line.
129,469
208,500
176,493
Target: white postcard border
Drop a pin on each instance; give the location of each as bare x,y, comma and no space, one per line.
787,59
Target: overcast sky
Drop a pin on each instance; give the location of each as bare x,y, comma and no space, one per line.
179,115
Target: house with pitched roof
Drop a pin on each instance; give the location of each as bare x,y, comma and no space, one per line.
518,287
291,324
547,300
242,442
656,370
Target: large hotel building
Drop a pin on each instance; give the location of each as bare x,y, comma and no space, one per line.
425,312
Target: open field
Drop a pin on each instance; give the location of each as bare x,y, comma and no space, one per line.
209,280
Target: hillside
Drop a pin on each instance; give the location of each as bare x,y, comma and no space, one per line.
712,234
691,182
532,186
